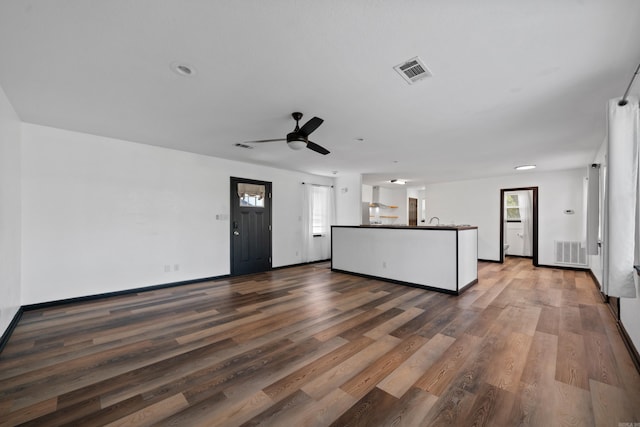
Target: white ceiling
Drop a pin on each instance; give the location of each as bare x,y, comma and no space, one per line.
514,81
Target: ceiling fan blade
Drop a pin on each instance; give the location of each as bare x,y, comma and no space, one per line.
265,140
310,126
317,148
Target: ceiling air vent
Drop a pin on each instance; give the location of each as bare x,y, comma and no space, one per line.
413,70
241,145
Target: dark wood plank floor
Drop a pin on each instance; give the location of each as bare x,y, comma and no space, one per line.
306,346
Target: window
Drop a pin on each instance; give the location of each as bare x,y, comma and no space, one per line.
251,195
321,210
512,207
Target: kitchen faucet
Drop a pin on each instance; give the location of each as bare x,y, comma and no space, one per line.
434,217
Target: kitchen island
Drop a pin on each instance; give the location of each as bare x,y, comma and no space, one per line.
441,258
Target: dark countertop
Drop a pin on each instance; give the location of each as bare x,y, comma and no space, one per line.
411,227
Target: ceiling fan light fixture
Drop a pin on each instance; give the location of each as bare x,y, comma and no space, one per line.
295,140
296,144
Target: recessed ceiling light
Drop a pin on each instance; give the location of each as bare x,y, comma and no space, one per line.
183,69
524,167
398,181
360,139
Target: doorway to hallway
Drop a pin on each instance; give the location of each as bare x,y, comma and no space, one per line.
519,223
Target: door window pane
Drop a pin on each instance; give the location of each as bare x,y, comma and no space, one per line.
251,195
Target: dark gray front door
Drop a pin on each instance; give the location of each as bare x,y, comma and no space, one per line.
250,226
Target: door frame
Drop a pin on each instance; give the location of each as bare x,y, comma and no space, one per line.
233,198
534,209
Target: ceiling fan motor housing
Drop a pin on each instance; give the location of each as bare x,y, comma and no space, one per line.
296,141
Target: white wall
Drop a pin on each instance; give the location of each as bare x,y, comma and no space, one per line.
348,190
367,193
9,212
103,215
396,197
630,315
477,203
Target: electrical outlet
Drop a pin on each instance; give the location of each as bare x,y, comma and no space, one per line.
384,264
167,268
176,267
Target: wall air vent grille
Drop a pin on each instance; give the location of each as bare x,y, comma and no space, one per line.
570,253
413,70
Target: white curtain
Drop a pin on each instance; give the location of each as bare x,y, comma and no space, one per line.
526,213
605,220
621,198
326,207
307,223
318,213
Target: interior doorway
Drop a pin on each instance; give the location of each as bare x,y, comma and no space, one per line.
250,226
519,221
413,212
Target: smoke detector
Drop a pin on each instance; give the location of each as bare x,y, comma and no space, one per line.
413,70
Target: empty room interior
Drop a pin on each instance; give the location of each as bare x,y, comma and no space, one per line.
409,213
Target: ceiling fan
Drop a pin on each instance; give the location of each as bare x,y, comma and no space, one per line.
299,138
